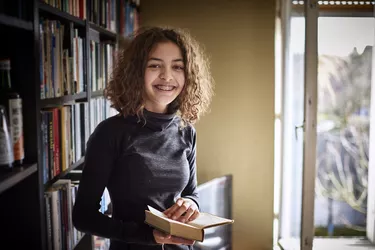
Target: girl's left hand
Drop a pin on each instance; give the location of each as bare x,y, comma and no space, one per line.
184,210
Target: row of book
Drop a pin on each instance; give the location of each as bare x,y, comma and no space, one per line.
100,109
59,201
104,13
65,132
61,69
101,58
67,126
129,20
73,7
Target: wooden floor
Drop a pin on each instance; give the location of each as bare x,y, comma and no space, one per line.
331,244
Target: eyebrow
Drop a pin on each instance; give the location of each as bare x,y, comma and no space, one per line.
158,59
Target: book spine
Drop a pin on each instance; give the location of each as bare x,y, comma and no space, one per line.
64,162
56,219
73,138
78,132
44,129
51,145
56,145
47,199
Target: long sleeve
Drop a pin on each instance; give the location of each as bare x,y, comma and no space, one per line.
190,190
100,159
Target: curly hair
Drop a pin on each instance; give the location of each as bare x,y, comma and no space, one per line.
126,86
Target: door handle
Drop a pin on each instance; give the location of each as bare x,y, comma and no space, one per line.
298,127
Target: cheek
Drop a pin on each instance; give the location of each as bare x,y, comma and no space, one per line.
149,78
181,80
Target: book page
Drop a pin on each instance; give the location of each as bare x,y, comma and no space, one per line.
204,219
208,220
157,212
164,217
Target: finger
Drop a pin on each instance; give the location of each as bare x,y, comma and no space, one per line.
170,211
187,215
178,240
194,215
185,206
167,236
175,207
179,211
162,235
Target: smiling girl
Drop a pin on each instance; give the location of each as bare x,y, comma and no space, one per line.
146,155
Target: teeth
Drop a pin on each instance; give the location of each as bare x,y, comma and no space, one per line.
164,87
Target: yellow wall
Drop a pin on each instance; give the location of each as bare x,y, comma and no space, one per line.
237,136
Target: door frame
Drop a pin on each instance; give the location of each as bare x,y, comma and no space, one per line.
310,123
370,224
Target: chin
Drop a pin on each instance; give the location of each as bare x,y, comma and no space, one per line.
165,101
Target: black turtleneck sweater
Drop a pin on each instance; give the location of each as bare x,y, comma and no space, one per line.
147,162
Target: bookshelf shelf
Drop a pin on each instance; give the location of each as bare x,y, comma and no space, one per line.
66,99
48,9
18,174
103,32
97,93
64,173
15,22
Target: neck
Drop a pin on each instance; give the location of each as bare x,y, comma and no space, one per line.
161,109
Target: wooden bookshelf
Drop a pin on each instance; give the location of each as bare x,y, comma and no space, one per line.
25,44
8,180
64,173
103,32
52,12
66,99
97,93
15,22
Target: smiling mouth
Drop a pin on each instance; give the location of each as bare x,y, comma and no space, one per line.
165,87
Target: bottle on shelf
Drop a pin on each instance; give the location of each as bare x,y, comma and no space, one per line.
13,104
6,149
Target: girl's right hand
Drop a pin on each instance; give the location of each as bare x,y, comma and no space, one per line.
163,238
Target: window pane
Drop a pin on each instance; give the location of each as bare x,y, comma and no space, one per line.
344,90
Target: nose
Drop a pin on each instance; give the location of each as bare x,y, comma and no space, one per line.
166,75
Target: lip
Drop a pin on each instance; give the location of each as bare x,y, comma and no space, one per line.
165,88
165,85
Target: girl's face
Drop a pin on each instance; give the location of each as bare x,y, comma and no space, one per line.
164,76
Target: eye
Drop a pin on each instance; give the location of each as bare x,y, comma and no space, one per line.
154,66
178,67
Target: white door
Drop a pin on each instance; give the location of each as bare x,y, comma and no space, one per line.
298,117
298,122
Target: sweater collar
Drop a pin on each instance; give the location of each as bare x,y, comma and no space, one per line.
155,121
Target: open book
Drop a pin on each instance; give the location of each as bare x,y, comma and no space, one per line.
193,230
